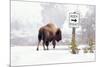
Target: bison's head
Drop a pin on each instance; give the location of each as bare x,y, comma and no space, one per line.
58,35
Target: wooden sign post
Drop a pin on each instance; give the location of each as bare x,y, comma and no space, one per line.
74,23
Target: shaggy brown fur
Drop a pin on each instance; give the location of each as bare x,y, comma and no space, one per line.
49,33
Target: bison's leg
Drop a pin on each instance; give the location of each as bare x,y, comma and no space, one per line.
38,45
39,39
43,45
47,44
54,43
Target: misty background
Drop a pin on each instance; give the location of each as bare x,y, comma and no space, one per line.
28,17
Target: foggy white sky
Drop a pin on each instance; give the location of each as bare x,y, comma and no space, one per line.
28,17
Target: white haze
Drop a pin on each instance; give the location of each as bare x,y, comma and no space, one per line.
28,17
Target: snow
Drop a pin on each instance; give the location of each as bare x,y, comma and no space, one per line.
27,55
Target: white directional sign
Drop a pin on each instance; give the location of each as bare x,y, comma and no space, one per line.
74,19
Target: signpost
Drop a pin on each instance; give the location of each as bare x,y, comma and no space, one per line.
74,20
74,23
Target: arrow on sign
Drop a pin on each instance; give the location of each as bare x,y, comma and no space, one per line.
73,20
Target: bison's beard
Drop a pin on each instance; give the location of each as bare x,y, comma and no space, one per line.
58,35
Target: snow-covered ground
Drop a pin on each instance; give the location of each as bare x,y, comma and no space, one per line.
27,55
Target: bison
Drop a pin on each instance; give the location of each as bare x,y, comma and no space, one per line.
49,33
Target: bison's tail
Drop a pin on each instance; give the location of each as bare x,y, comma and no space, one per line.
40,35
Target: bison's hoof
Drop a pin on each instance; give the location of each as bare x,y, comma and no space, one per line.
53,47
37,49
44,49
